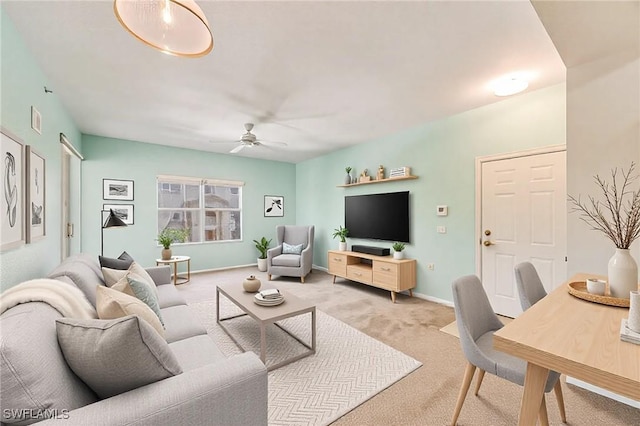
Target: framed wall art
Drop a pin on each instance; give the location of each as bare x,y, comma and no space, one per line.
12,201
36,120
123,211
116,189
35,196
273,206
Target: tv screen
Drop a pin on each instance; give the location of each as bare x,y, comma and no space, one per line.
378,216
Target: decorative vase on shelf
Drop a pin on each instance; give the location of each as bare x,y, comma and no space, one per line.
347,179
622,274
251,284
342,246
166,254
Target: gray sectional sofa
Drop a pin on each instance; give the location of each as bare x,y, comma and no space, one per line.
37,383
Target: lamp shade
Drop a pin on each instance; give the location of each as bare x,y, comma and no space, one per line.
113,220
176,27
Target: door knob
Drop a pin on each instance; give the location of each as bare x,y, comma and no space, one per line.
487,243
487,232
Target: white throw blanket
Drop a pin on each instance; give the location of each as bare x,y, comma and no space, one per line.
63,297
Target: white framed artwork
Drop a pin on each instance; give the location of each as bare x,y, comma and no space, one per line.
12,229
35,196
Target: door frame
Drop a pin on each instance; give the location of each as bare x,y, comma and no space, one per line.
67,152
496,157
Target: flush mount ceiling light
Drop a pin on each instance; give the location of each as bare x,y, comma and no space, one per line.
509,85
175,27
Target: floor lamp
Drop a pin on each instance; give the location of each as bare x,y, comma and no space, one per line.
112,221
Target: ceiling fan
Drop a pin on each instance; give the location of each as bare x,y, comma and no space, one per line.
248,139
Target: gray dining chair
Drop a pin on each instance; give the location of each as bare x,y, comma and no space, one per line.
476,323
530,291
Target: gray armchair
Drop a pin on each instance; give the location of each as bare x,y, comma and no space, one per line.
288,262
476,324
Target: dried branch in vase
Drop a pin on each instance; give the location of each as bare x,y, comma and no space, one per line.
611,215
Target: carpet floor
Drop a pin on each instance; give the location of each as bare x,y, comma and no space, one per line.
348,367
412,326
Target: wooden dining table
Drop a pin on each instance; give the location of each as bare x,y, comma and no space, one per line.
575,337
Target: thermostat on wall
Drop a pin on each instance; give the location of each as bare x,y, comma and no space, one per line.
442,210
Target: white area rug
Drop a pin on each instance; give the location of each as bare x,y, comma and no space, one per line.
348,367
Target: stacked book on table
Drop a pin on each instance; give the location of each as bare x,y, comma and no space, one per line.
269,297
628,335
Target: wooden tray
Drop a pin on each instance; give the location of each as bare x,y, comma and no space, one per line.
579,290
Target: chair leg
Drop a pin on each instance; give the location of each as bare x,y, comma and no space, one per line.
542,414
464,388
558,391
479,380
302,280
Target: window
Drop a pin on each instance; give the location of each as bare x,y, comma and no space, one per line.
210,209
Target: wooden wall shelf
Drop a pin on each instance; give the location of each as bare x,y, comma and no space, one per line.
379,181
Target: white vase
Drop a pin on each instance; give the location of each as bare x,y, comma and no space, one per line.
262,265
342,246
622,274
398,255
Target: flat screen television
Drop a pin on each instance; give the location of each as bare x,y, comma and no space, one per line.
378,216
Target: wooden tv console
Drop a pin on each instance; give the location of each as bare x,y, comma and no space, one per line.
384,272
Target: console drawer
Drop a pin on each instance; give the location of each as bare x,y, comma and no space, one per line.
337,264
360,273
385,274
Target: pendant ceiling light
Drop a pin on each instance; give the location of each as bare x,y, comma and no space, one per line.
175,27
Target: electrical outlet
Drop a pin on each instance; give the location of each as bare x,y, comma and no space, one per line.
431,266
441,229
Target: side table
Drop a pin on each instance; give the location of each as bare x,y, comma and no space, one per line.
174,261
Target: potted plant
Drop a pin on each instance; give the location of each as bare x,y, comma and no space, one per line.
262,246
169,236
347,178
617,217
342,234
398,250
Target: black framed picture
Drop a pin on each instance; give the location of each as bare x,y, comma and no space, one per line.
273,206
123,211
116,189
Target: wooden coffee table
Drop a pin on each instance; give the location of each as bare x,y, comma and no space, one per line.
265,315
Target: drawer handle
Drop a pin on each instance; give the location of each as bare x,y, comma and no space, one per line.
337,259
385,269
358,274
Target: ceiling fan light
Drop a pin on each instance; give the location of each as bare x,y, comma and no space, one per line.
175,27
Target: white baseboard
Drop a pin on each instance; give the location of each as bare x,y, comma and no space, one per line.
603,392
224,268
433,299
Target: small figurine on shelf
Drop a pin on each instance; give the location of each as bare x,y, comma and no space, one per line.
364,177
380,174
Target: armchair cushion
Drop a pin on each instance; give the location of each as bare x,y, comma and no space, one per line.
290,260
115,356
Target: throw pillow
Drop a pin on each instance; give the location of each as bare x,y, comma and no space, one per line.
112,304
115,356
112,276
140,271
145,293
122,262
290,249
123,285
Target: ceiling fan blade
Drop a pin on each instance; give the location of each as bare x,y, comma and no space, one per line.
237,149
272,143
217,142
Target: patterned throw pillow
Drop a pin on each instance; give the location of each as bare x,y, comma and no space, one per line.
289,249
115,356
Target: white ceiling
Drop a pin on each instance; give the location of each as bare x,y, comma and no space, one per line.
319,76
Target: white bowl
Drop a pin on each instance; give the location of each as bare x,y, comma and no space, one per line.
596,286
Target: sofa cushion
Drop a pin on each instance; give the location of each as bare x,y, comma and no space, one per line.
181,324
85,273
112,304
290,260
122,262
33,371
112,276
196,352
168,295
291,249
115,356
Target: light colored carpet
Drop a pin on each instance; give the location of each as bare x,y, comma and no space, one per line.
452,328
348,367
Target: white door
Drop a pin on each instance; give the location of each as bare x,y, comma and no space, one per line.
523,218
70,199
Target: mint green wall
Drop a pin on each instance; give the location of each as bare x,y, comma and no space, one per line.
443,155
142,162
21,86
